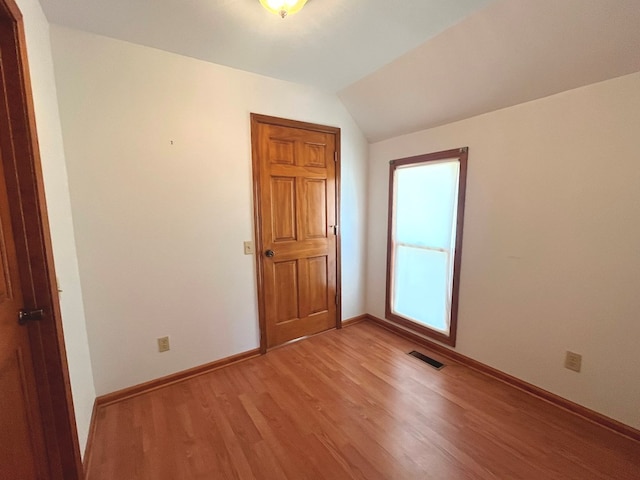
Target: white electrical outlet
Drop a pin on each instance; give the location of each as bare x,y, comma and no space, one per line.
163,344
573,361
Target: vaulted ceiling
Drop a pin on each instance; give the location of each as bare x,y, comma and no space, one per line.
399,65
511,52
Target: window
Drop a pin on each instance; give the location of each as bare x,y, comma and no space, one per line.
426,213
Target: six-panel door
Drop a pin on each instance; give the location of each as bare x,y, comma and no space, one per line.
297,185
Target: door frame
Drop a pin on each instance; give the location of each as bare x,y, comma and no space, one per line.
27,207
257,119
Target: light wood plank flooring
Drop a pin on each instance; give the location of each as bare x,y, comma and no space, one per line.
350,404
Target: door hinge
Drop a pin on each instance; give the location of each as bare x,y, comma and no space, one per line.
334,228
335,156
337,299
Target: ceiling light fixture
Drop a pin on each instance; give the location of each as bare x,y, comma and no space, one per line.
283,7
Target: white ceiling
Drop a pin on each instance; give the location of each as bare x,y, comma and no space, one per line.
398,65
329,44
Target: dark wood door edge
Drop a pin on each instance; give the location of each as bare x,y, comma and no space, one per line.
549,397
88,448
25,186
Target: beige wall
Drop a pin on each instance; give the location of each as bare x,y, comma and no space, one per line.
160,225
551,258
59,209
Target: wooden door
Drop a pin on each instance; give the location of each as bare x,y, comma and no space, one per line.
22,452
38,436
295,178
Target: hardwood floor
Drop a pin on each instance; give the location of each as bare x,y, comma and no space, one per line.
350,404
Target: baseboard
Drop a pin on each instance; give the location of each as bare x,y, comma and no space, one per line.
162,382
353,320
151,385
549,397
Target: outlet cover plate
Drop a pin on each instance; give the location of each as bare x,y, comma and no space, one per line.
163,344
573,361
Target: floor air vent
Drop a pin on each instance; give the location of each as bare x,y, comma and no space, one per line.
420,356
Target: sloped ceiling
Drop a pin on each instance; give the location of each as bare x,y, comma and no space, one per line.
511,52
399,66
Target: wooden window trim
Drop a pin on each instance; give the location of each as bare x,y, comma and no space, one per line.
461,154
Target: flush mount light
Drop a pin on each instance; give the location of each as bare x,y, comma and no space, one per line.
283,7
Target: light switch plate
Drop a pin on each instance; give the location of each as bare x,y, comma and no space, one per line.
248,248
573,361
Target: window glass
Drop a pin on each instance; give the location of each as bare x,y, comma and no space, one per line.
424,246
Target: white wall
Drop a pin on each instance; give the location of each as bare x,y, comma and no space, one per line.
59,210
550,258
159,158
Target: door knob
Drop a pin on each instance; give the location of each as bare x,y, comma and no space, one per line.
269,253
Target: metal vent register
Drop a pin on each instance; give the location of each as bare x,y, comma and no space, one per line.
421,356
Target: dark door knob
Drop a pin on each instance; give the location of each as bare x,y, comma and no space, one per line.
269,253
